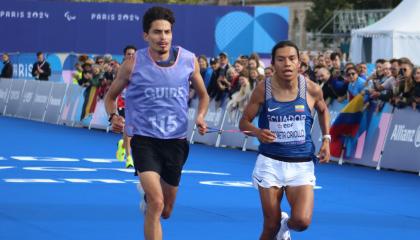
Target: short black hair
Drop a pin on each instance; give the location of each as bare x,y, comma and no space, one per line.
129,47
350,64
283,44
38,53
393,60
157,13
351,68
380,60
334,55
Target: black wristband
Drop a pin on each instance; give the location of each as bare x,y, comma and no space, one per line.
111,116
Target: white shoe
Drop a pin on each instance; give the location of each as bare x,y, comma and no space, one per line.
143,204
284,232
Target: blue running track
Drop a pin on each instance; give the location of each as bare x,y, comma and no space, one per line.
58,182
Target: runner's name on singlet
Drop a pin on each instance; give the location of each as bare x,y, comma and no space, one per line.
288,128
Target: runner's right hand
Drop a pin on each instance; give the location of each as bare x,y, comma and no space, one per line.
117,124
266,136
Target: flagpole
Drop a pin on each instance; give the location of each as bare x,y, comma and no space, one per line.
340,161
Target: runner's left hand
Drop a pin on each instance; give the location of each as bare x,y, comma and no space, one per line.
202,125
324,152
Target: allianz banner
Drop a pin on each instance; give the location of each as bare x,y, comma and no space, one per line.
402,147
58,26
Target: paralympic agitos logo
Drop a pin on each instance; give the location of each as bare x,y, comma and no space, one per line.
69,17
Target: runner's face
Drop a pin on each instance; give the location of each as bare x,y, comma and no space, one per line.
286,63
159,36
129,53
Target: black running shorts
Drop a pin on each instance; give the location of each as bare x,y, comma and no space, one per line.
163,156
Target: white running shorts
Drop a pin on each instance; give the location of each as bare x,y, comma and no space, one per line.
270,172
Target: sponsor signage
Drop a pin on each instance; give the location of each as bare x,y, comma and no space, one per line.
57,26
402,147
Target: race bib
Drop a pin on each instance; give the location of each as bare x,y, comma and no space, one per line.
289,131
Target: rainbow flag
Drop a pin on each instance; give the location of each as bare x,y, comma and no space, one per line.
346,124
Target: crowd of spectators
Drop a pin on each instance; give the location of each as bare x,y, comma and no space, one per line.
98,72
396,81
232,83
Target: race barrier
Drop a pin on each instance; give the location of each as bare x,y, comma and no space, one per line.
402,145
389,138
367,148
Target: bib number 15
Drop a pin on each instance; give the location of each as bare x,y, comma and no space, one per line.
164,124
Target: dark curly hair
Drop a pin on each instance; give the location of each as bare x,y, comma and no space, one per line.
157,13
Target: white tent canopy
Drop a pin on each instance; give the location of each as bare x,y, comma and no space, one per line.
394,36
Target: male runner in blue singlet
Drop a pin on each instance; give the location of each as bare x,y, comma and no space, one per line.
286,152
156,113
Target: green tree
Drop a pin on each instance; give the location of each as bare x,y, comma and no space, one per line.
323,10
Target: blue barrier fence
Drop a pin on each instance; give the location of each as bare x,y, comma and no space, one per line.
391,139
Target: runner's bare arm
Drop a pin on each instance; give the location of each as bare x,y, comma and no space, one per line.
198,84
117,86
251,110
323,117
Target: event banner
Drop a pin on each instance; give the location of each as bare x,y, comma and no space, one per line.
73,105
26,99
13,101
55,103
4,93
40,101
59,26
99,117
402,146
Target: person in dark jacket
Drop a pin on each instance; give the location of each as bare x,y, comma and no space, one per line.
7,70
41,69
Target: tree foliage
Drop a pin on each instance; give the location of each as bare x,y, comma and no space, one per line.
323,10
